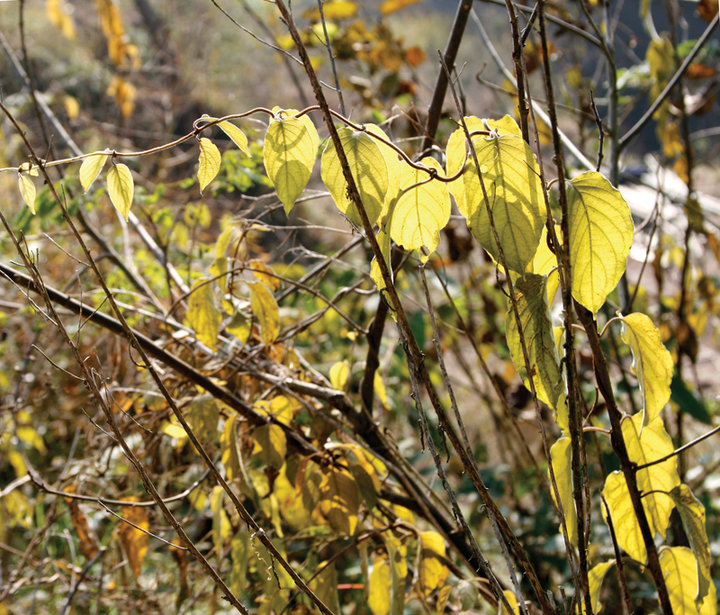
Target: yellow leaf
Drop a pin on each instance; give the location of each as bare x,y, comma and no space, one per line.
652,363
380,586
265,308
390,6
289,154
540,343
90,169
680,571
511,179
236,135
420,212
333,9
385,245
325,585
596,575
281,408
272,445
512,601
121,188
134,541
456,155
561,456
27,190
692,515
265,274
368,169
339,374
72,107
627,530
221,524
601,232
395,168
339,501
229,447
203,314
240,551
208,163
431,568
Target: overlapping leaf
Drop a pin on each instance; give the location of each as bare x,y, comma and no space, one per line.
601,232
652,363
289,152
680,571
432,570
368,168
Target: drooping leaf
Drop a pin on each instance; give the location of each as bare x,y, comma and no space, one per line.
456,155
681,578
134,541
421,212
229,448
121,188
265,308
236,135
601,232
272,445
432,570
692,515
625,524
333,10
85,536
208,162
90,169
289,153
561,456
203,314
510,177
221,527
395,168
652,363
368,168
385,245
240,552
27,190
339,374
265,274
380,586
539,339
596,575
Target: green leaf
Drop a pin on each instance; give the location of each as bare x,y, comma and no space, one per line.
680,571
540,343
652,363
272,445
511,178
208,162
561,456
236,135
432,570
90,169
692,515
368,168
379,587
596,575
289,153
421,212
121,188
265,308
688,401
601,232
27,190
202,313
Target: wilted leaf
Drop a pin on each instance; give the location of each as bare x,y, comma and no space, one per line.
88,542
121,188
289,154
203,314
601,232
561,456
27,190
265,308
432,570
208,162
652,363
90,169
134,541
368,168
265,274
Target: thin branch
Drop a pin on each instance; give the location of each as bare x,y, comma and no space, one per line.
680,450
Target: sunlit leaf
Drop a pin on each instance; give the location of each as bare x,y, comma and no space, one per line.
236,135
625,524
121,188
561,456
368,169
390,6
692,515
272,445
432,570
339,501
27,190
265,274
134,541
289,154
333,10
385,245
456,155
421,212
203,314
512,601
380,586
395,168
208,162
265,308
681,578
652,363
90,169
601,232
339,374
539,339
596,575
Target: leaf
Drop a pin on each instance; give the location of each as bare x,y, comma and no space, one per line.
208,162
456,156
379,587
265,274
339,501
265,308
88,542
680,571
289,154
121,188
221,527
561,456
368,168
511,179
512,601
596,575
27,190
625,524
333,10
339,374
385,245
325,585
272,445
395,168
432,571
692,515
90,169
540,343
688,401
652,363
600,235
134,541
202,313
236,135
421,212
391,6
